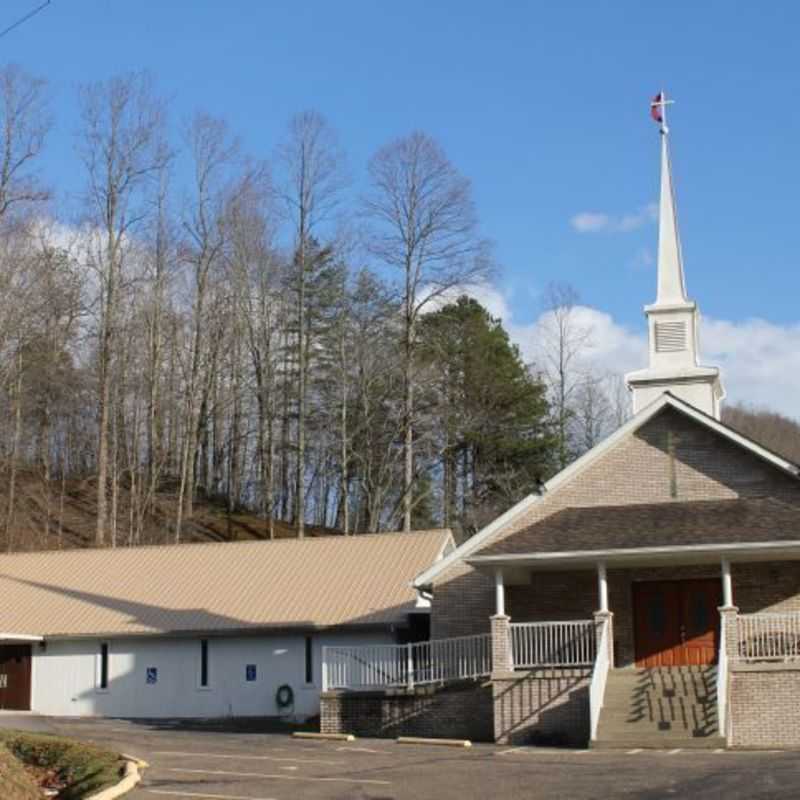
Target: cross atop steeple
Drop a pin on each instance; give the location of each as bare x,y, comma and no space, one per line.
673,319
658,110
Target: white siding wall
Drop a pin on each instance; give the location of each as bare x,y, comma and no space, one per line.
65,676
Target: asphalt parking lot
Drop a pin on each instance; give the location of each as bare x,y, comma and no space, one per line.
223,765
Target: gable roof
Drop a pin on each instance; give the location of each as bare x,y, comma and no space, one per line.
673,524
230,586
666,400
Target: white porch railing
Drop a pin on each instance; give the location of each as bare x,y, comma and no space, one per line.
553,644
597,688
722,684
768,637
406,665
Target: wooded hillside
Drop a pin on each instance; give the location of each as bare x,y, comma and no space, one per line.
212,343
775,431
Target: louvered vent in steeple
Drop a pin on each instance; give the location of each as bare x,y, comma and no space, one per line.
670,337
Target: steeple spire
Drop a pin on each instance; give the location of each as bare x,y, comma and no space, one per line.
673,319
671,283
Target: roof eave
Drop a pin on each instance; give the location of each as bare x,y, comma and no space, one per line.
621,556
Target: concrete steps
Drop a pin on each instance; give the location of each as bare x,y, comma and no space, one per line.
664,708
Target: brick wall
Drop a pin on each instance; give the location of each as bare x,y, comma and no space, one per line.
462,711
764,710
636,470
547,707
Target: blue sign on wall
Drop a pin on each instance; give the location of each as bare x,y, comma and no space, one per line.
250,672
152,675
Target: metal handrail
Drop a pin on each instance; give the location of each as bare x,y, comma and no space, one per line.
597,687
570,643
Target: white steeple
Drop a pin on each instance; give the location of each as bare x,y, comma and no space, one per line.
673,319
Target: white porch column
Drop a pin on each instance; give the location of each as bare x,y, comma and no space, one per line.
727,584
499,593
602,586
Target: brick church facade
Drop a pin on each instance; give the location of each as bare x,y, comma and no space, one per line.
648,595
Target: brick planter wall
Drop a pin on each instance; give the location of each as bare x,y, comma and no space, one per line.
462,711
545,706
764,706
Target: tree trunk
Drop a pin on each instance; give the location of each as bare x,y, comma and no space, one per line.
12,480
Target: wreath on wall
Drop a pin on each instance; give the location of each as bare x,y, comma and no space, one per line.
284,697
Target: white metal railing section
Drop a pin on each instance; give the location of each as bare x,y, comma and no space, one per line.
406,665
768,637
722,683
553,644
597,687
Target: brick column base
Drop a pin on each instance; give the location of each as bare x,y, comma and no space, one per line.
502,657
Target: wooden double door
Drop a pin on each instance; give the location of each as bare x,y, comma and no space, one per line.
15,677
676,623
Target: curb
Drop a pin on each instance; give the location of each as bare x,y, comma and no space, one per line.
130,778
442,742
337,737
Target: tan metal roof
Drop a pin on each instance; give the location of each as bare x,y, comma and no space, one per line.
354,580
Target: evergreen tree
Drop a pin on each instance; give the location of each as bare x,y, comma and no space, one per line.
490,415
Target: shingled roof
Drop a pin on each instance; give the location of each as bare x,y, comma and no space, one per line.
705,522
301,584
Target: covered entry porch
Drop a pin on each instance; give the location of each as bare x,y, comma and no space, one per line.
670,627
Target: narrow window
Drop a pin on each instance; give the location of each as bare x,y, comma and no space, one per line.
309,660
103,682
204,663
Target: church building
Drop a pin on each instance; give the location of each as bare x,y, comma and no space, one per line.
648,595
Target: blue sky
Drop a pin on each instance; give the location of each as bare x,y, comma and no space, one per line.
543,105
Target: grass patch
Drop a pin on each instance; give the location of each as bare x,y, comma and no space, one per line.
30,762
16,783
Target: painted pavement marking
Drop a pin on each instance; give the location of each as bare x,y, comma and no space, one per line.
674,752
542,751
207,796
179,754
634,751
358,750
278,777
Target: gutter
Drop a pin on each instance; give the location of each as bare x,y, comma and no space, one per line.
632,553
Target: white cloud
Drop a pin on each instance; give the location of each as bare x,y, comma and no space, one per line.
590,222
600,222
643,259
760,360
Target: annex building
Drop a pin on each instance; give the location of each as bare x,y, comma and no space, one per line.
201,630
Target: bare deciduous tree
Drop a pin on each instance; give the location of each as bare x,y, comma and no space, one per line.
25,123
564,342
121,146
312,178
424,224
